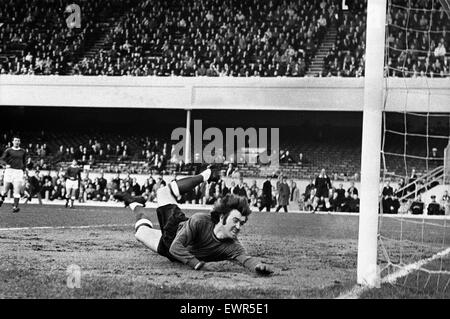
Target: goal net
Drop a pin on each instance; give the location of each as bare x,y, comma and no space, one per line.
414,223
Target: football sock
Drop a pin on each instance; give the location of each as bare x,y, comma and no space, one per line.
187,184
146,234
138,210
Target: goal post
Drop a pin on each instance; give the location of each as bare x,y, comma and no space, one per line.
367,270
447,164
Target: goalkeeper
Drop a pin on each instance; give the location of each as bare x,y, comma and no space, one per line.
200,239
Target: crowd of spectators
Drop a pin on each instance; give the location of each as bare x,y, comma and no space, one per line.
214,38
346,58
153,152
148,150
417,41
50,185
319,195
238,38
140,154
36,38
396,201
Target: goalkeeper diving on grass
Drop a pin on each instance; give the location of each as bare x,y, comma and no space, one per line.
200,239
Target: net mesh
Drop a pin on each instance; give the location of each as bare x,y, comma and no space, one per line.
414,242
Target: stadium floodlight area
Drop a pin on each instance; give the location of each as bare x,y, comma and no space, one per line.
409,250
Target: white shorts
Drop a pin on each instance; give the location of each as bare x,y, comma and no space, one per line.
165,196
14,176
70,184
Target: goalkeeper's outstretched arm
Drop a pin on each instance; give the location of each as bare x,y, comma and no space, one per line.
255,265
195,233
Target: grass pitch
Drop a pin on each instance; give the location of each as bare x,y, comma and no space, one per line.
314,257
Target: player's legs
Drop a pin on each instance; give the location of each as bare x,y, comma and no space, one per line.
169,217
8,186
68,192
168,213
71,189
27,196
13,179
17,189
265,205
144,231
143,227
39,197
6,189
72,196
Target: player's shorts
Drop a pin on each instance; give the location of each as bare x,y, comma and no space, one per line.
14,176
70,184
169,217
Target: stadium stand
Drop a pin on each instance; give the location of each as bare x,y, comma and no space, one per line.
196,38
36,39
346,56
103,153
416,41
217,38
138,153
213,38
135,153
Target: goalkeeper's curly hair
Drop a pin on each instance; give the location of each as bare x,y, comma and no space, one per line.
228,203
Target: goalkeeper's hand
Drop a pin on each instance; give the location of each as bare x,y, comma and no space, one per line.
204,266
263,269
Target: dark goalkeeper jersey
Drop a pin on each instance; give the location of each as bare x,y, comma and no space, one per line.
74,173
196,241
15,158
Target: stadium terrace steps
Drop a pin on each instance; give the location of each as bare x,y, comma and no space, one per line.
96,43
317,62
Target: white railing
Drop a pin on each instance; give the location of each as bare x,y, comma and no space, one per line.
422,183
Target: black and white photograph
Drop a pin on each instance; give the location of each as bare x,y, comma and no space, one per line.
222,155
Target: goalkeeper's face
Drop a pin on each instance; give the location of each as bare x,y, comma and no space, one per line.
231,226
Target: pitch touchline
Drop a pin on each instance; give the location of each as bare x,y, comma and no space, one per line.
357,290
63,227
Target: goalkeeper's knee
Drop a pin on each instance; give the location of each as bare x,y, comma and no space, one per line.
145,233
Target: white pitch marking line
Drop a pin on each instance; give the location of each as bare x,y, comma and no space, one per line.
357,290
209,207
63,227
411,267
354,293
